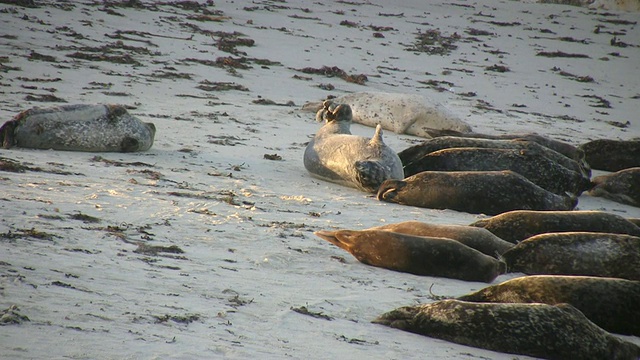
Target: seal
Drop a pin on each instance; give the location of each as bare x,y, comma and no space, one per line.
577,253
534,166
476,192
612,155
415,153
622,186
93,128
419,255
483,240
610,303
401,113
515,226
539,330
335,155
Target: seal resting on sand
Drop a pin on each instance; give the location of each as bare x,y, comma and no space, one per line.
612,155
622,186
610,303
335,155
92,128
419,255
539,330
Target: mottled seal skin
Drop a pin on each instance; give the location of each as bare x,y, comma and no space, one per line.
531,164
622,186
610,303
335,155
419,255
483,240
577,253
515,226
539,330
415,153
612,155
93,128
476,192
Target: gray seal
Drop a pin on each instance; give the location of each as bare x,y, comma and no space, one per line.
92,128
612,155
335,155
531,164
539,330
622,186
419,255
515,226
476,192
610,303
477,238
577,253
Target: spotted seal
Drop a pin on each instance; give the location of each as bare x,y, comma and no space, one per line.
483,241
515,226
531,164
335,155
577,253
401,113
622,186
419,255
610,303
82,127
539,330
488,192
612,155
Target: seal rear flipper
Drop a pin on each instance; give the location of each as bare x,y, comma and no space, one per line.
370,175
334,238
7,134
389,189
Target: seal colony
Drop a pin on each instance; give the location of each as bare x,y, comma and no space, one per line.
92,128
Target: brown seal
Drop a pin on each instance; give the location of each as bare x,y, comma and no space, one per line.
515,226
577,253
488,192
612,155
417,255
610,303
539,330
477,238
622,186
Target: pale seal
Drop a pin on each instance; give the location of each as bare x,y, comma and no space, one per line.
622,186
539,330
401,113
577,253
612,155
515,226
476,192
335,155
419,255
483,240
93,128
610,303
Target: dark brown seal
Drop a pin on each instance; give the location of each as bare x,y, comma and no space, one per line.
610,303
612,155
622,186
577,253
417,255
488,192
515,226
477,238
539,330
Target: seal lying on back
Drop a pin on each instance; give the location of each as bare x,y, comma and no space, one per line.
483,240
515,226
337,156
539,330
417,255
476,192
95,128
577,253
612,155
622,186
610,303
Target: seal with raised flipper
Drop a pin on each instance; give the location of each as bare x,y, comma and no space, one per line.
419,255
539,330
610,303
476,192
335,155
92,128
622,186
